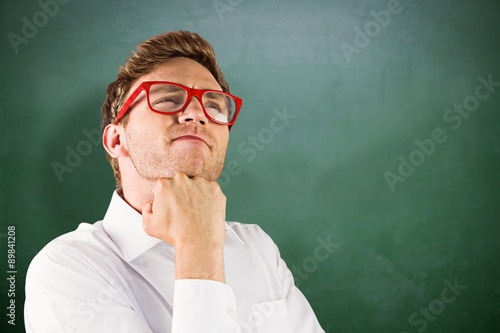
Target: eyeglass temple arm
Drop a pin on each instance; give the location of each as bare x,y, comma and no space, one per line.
127,103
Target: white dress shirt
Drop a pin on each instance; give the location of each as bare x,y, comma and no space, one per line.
111,276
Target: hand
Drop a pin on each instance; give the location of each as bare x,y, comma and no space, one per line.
189,213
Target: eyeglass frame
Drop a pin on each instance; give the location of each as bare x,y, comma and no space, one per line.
191,92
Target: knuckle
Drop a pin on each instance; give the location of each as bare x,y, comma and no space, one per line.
217,190
160,184
214,186
179,175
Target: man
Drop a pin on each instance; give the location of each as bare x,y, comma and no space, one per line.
163,259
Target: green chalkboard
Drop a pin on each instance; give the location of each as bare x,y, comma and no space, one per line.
370,128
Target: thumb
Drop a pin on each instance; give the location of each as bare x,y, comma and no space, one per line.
147,216
147,210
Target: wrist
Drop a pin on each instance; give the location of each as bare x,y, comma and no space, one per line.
195,262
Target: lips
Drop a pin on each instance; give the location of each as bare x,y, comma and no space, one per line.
191,137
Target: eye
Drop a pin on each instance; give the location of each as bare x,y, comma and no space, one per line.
216,103
215,108
167,102
168,99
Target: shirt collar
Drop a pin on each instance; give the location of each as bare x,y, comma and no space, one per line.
123,224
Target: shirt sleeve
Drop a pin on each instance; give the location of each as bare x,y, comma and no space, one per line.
203,306
65,293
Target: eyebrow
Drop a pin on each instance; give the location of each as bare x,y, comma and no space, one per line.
203,88
161,87
214,94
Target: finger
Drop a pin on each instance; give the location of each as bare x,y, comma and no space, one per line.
179,175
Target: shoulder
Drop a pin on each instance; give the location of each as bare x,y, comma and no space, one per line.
247,230
84,247
252,235
84,237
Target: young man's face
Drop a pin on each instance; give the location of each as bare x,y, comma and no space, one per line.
160,145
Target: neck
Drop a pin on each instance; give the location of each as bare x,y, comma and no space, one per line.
137,192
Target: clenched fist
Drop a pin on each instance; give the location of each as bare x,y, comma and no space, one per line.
189,213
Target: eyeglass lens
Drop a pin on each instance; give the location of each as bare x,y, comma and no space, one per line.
170,98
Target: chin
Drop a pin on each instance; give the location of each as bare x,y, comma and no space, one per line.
190,170
191,165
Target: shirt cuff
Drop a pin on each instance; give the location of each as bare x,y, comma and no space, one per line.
203,306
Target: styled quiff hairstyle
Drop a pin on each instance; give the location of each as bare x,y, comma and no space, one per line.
149,55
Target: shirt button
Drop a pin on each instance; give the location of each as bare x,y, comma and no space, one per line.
231,312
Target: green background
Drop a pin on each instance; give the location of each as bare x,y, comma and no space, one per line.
322,175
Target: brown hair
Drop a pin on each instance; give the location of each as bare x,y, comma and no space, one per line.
149,55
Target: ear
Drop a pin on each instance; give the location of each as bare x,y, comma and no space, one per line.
112,140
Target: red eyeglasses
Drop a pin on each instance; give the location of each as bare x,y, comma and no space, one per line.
171,98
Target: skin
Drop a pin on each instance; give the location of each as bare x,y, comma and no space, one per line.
169,165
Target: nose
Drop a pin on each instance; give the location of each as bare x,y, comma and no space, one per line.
193,112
